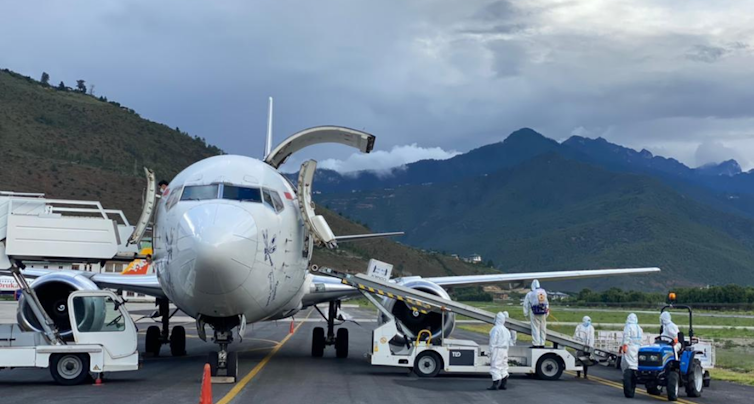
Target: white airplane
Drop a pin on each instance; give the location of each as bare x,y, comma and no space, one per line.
233,240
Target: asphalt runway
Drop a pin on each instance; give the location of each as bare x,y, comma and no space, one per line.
277,367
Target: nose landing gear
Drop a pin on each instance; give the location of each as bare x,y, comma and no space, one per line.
156,337
223,364
320,340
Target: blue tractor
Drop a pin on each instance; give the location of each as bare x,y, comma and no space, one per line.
660,367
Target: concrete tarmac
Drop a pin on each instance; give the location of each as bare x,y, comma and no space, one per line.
277,367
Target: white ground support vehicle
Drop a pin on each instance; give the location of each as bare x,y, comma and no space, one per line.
392,347
463,356
104,340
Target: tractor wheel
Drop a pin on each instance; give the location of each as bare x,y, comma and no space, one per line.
695,380
673,379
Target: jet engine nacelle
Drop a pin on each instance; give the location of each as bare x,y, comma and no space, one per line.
53,290
412,321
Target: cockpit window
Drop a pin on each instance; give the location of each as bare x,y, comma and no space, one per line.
277,201
241,194
268,198
199,192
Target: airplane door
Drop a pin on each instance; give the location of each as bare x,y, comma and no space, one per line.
315,224
146,213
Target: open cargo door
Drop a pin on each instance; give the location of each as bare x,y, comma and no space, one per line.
318,135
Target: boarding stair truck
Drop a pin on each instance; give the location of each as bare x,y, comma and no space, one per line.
104,338
660,367
427,358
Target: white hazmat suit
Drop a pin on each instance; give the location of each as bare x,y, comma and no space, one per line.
632,338
500,341
584,333
537,308
670,330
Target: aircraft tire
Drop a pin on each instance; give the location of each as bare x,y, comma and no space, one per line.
233,365
152,342
318,342
341,343
178,341
212,359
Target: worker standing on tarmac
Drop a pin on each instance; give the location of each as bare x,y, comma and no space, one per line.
632,337
500,340
669,330
584,333
537,308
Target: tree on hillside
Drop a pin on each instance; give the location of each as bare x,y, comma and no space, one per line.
61,86
81,86
91,90
45,79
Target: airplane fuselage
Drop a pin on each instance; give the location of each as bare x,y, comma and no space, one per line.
229,240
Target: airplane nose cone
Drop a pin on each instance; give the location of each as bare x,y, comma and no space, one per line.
220,243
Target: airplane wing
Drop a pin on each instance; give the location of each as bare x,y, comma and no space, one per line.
326,288
528,276
355,237
145,284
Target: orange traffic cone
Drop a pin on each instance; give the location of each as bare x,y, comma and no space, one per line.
292,328
206,395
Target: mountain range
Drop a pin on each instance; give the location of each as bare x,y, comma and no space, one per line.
531,203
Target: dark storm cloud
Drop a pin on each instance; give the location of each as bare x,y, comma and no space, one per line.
707,54
449,74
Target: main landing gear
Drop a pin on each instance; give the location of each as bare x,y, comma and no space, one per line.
319,340
156,336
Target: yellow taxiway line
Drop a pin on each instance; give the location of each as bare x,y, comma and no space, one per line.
617,385
258,368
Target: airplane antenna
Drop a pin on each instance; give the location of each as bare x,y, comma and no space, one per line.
268,144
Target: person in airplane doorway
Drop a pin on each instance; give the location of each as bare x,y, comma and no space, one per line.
537,308
163,185
585,333
500,341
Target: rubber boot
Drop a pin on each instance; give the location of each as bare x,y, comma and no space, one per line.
578,374
495,384
503,383
585,370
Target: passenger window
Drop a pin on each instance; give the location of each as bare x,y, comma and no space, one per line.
97,314
199,192
241,193
277,201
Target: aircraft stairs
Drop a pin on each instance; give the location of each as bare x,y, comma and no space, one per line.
35,228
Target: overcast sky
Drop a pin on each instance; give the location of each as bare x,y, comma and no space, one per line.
428,78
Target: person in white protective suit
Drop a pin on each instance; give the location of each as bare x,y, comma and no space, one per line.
537,308
632,338
500,340
670,330
584,333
